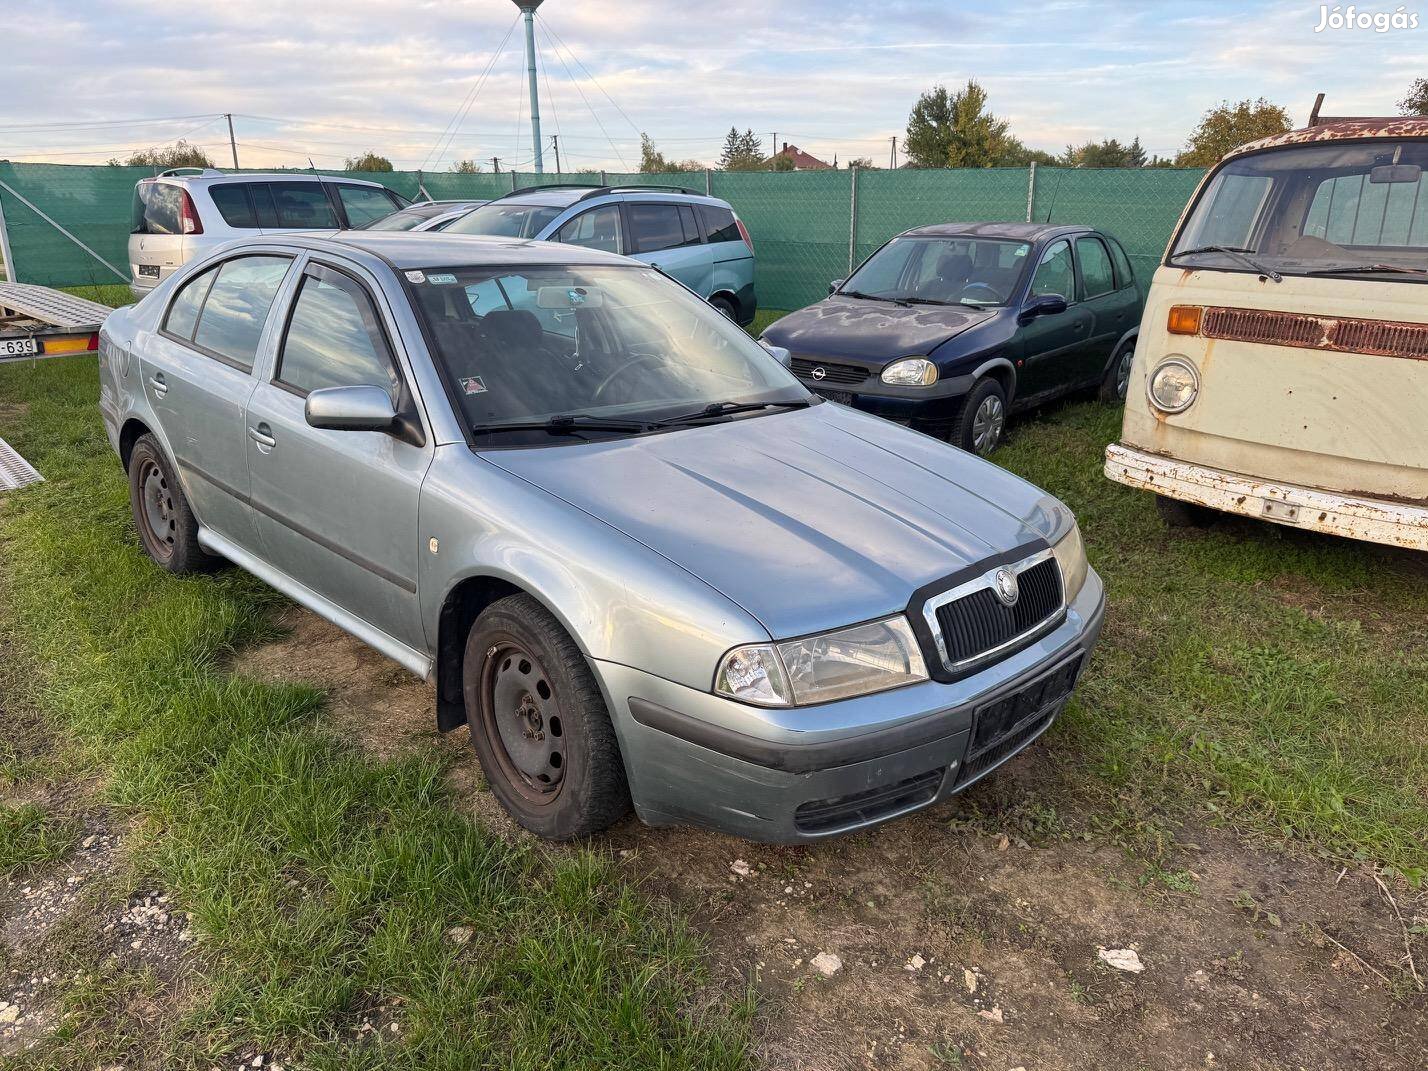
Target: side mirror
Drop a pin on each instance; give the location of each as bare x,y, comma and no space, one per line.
1042,305
835,284
780,353
361,408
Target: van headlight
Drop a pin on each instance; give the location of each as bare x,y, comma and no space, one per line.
819,669
910,372
1070,553
1173,385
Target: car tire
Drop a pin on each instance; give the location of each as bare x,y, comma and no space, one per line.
539,725
168,530
1116,384
725,306
979,426
1178,514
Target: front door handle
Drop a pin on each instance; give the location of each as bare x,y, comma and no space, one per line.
157,384
263,436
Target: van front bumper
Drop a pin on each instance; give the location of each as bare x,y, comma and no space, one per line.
1377,520
807,773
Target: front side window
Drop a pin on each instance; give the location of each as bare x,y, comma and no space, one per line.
586,343
1096,273
598,228
334,338
1356,208
231,320
365,204
301,206
1055,274
506,219
936,270
655,227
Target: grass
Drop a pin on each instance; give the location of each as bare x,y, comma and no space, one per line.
322,881
30,836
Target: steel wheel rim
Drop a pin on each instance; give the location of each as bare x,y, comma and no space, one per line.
1123,372
523,722
987,424
157,509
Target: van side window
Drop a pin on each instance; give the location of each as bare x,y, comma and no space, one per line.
334,338
1054,275
301,206
719,225
230,323
597,229
233,203
654,227
1096,274
690,225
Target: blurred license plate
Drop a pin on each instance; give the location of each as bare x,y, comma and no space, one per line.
18,347
149,270
843,396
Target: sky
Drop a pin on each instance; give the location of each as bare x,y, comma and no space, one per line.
323,80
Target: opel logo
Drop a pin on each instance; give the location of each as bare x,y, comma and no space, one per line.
1004,582
820,372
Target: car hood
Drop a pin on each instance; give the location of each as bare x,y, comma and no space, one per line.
871,330
809,519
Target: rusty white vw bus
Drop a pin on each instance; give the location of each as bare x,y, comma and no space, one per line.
1282,369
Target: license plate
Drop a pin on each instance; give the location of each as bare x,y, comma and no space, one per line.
843,397
150,271
18,347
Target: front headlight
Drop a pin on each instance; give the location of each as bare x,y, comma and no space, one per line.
819,669
1070,555
910,372
1173,385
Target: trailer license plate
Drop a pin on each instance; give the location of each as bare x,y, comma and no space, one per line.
18,347
150,271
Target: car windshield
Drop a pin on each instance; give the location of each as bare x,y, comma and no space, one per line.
405,219
1353,208
505,219
941,271
589,343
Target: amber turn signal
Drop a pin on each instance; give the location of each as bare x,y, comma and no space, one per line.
1184,320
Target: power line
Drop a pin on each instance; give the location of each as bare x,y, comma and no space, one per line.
551,32
84,124
454,125
576,84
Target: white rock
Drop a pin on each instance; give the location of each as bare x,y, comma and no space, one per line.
1122,959
916,963
9,1014
992,1014
826,964
738,866
970,978
460,934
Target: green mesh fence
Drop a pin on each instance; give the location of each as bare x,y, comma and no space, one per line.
806,227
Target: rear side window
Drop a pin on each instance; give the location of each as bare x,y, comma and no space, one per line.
299,206
365,204
598,228
157,209
690,225
719,224
1096,273
231,318
233,204
654,227
334,338
1125,274
183,313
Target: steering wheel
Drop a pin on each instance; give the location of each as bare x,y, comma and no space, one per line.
983,288
635,361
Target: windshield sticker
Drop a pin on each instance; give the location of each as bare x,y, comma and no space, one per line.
441,278
415,277
1021,250
473,385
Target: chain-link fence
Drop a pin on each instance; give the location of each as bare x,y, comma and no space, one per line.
68,225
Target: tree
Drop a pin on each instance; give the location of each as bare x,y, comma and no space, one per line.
1108,153
652,161
179,154
782,162
1136,153
1227,126
1015,154
742,152
864,163
368,161
1416,103
466,167
955,130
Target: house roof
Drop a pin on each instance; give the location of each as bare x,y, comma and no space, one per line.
802,161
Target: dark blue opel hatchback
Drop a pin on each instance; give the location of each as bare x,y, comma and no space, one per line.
949,328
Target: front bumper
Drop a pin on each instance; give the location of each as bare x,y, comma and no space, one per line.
926,408
1376,520
804,774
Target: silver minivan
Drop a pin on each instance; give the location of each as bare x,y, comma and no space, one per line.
186,211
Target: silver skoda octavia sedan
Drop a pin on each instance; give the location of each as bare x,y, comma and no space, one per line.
637,559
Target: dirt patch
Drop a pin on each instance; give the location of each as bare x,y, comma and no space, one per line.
968,935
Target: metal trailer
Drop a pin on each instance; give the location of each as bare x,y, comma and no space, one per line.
38,321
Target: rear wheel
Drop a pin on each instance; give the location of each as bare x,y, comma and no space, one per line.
979,427
539,725
1116,385
1178,514
724,305
168,530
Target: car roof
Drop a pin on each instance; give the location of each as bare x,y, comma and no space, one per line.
213,175
427,249
565,196
1340,130
1026,232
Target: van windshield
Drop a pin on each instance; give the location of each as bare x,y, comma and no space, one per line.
1352,208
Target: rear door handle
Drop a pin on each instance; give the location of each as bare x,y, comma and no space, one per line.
263,436
157,384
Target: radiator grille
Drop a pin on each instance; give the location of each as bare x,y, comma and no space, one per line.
832,373
1378,338
979,621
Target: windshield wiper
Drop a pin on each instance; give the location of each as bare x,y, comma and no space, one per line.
927,301
1234,252
716,409
1346,269
872,297
564,424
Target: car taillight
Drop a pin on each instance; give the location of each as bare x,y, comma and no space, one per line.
744,233
188,215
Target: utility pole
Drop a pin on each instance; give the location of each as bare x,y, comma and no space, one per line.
496,164
555,144
232,144
773,154
528,8
892,157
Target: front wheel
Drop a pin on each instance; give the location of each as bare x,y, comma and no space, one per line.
539,725
1178,514
978,429
1116,384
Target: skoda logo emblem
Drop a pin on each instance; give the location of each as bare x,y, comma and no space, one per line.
820,372
1004,582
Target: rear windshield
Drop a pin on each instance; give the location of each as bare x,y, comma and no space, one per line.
1353,208
508,220
157,209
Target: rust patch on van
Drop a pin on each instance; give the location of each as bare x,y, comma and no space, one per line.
1375,338
1343,130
